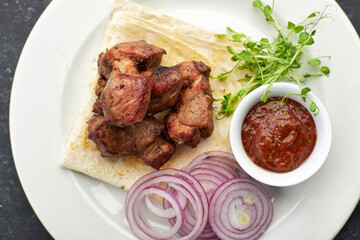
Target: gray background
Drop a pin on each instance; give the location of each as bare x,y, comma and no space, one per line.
17,219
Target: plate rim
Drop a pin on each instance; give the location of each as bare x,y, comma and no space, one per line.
52,5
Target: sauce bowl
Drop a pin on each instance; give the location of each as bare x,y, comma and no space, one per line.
310,166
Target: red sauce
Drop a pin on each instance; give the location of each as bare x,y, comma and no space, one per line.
279,137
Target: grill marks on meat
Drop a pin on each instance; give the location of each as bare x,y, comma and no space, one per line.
167,85
131,86
143,139
193,116
125,99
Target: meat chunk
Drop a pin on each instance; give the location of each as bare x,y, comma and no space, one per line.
124,65
167,85
116,141
129,57
192,70
132,85
194,109
145,133
97,109
101,82
195,106
143,139
180,133
125,99
111,140
198,113
99,88
158,153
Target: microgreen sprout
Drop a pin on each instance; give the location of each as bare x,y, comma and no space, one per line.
271,61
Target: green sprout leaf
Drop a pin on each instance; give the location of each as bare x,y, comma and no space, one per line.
257,4
313,107
310,41
314,62
298,29
303,37
290,25
312,15
305,90
267,12
325,70
264,40
231,50
221,35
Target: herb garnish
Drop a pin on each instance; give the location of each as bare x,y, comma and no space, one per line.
269,62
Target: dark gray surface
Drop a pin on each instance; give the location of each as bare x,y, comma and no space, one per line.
17,219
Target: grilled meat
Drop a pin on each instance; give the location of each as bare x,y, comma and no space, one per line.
143,139
132,85
195,106
125,98
198,113
99,88
129,57
97,109
116,141
167,85
111,140
101,82
192,70
180,133
145,133
194,109
158,153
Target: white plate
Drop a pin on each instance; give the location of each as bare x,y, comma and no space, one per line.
52,72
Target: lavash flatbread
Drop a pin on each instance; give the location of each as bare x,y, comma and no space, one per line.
183,42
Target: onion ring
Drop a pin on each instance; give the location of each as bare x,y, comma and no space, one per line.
180,182
240,209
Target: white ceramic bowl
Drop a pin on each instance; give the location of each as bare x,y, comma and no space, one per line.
309,166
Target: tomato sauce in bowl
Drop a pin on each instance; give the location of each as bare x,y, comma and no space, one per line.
279,136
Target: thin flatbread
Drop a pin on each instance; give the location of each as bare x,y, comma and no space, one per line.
183,42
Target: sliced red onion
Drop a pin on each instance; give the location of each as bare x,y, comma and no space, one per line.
143,224
239,206
218,158
211,173
216,153
224,164
161,213
183,183
220,169
240,209
212,169
191,221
